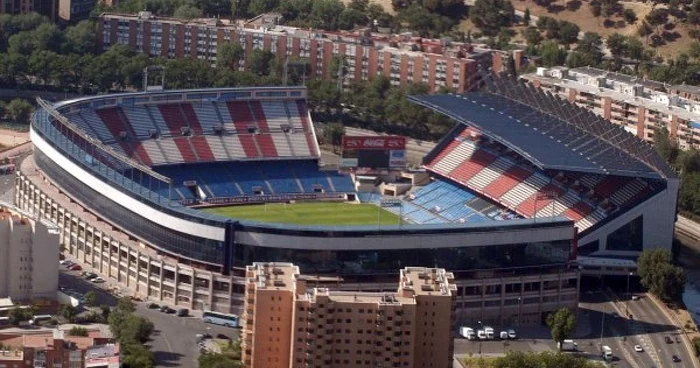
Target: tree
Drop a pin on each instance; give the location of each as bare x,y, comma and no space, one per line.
105,311
694,50
532,35
124,304
664,146
645,30
526,17
568,32
68,312
137,356
658,274
18,314
562,324
187,12
630,16
491,15
617,44
80,38
78,331
262,6
551,54
519,359
333,134
351,17
657,18
325,14
90,298
261,62
229,55
596,8
19,111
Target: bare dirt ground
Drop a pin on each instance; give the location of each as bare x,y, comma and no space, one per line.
579,12
11,138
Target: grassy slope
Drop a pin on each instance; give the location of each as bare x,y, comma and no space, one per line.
315,213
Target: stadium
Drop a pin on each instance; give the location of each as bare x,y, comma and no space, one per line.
172,193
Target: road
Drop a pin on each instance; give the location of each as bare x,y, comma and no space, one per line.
173,341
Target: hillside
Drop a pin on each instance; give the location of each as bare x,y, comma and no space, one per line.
580,13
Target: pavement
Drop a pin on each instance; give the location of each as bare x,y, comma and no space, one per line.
173,342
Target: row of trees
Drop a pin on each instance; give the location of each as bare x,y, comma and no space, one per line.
687,164
660,276
519,359
132,332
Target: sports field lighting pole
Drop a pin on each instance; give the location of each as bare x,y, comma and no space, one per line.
520,311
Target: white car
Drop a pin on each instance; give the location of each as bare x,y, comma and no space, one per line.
638,348
97,280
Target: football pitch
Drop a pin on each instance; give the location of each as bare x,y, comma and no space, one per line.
311,213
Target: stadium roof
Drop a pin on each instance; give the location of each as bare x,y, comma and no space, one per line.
550,132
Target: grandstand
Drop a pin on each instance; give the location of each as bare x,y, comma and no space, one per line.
194,132
538,156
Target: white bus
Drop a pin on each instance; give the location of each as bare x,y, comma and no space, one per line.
223,319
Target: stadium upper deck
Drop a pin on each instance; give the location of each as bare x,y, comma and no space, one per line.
540,156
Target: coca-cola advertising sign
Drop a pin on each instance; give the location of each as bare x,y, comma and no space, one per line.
377,142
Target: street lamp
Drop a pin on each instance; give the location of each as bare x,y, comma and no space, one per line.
627,301
477,335
520,311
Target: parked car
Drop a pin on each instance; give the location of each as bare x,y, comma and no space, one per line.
97,280
183,312
668,339
676,359
635,297
153,306
638,348
512,334
166,309
90,275
75,267
223,337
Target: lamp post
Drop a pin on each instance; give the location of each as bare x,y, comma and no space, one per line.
520,311
627,301
477,335
602,328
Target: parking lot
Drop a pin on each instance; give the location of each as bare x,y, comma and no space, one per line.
174,340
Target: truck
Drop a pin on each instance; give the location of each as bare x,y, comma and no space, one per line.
568,345
607,353
489,333
467,333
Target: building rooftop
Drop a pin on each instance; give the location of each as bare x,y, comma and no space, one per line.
273,276
686,88
360,297
427,281
624,78
617,96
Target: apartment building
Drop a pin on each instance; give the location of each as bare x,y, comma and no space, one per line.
639,105
43,7
286,324
28,256
402,58
74,10
56,349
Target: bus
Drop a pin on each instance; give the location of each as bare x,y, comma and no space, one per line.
40,318
223,319
4,321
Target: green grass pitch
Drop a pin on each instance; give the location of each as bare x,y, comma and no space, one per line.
311,213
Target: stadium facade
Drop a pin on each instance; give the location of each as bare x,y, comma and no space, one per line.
123,175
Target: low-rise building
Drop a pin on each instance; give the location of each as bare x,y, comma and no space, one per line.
55,348
639,105
286,324
28,256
